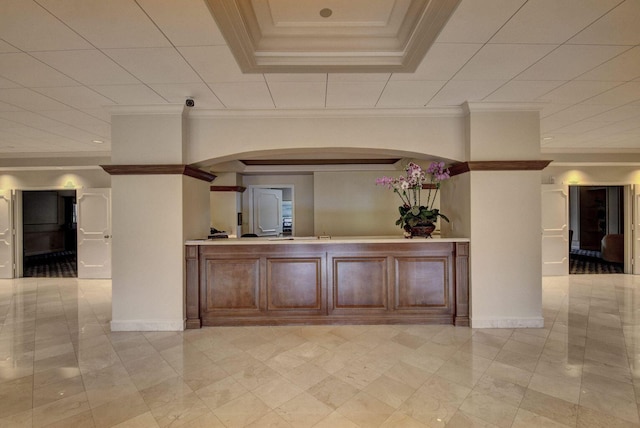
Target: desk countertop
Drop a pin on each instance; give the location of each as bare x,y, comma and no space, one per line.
321,240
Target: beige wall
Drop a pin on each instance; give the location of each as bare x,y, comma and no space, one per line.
55,179
439,135
149,138
505,259
503,135
456,205
606,174
225,206
350,204
148,252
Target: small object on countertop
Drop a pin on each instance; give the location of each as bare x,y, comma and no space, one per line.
215,234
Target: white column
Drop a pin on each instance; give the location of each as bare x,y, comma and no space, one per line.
153,215
499,210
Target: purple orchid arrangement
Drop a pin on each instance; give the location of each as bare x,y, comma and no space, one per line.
408,187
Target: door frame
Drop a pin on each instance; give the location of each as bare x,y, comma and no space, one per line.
18,224
629,215
247,201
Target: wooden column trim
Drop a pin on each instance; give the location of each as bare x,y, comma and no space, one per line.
521,165
238,189
178,169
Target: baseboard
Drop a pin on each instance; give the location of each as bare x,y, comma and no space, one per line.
507,322
147,325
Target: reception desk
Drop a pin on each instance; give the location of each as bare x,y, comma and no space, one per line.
259,281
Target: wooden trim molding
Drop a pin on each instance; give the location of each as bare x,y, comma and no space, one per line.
295,162
524,165
159,170
238,189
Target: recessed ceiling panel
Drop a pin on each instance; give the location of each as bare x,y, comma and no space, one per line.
284,36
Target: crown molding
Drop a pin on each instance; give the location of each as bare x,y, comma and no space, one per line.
177,169
514,165
238,189
146,109
329,113
473,107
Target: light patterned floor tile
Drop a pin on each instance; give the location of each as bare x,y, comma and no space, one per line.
61,366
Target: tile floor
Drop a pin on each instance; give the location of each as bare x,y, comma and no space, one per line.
60,366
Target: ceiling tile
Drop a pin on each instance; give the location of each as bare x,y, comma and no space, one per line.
89,67
551,21
619,113
576,113
29,27
358,77
243,95
410,93
5,83
76,96
30,100
442,61
618,27
28,71
577,91
552,108
501,62
30,119
523,90
298,94
456,92
623,67
155,65
99,113
569,61
478,20
108,24
73,117
73,133
293,77
620,95
216,64
353,94
6,47
193,14
179,92
129,94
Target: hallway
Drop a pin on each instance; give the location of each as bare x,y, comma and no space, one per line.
60,366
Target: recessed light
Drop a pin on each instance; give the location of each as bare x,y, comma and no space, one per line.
326,12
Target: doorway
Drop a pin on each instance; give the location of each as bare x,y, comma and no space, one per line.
49,233
596,229
270,210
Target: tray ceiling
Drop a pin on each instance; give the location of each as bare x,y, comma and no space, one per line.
272,36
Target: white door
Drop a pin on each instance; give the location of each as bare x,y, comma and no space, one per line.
6,235
94,233
555,230
267,212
